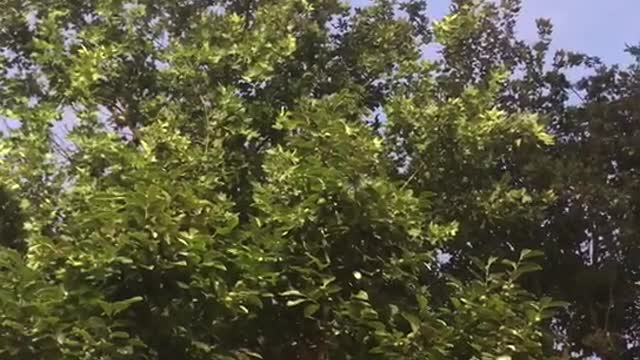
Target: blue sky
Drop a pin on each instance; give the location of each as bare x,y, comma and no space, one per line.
597,27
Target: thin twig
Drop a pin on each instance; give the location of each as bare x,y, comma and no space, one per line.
415,173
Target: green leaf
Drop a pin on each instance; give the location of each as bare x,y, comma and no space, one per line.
525,269
527,254
291,303
114,308
362,295
422,302
292,293
311,309
413,320
119,335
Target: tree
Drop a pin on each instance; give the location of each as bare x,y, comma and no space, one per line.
271,179
587,224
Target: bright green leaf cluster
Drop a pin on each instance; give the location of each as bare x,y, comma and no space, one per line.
220,191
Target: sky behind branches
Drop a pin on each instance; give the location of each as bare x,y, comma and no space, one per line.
596,27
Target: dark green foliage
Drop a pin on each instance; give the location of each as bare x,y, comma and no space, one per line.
587,225
11,221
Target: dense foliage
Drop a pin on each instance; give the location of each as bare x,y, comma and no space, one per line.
292,179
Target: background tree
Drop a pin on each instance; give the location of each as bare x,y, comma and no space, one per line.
587,229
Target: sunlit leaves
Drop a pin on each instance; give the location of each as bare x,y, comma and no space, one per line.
222,192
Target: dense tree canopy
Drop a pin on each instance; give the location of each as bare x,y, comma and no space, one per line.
291,179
